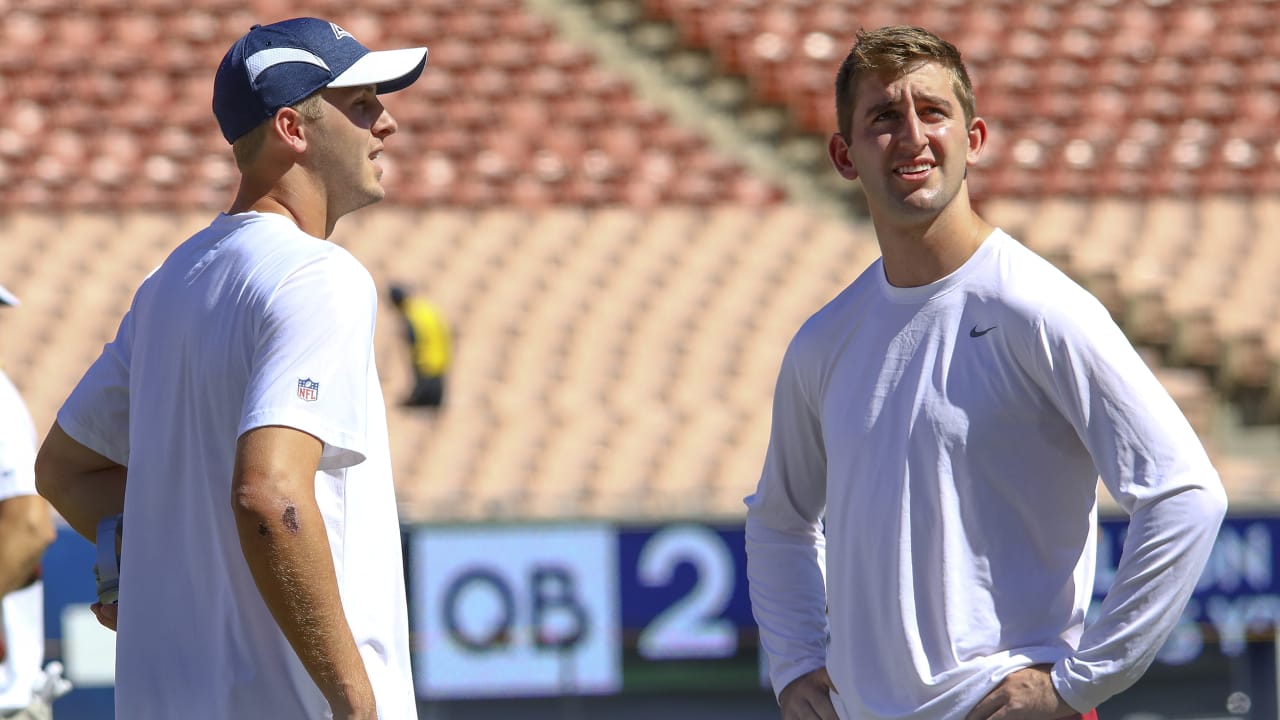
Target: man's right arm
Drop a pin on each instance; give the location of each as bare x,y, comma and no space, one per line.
786,548
81,484
286,546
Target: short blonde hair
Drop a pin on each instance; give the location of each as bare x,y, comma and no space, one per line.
247,147
898,49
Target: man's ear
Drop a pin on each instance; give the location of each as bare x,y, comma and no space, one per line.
289,128
838,151
977,140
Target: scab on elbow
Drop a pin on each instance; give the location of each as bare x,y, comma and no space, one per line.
289,518
266,515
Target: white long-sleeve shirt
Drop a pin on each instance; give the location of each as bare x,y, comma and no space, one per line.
950,437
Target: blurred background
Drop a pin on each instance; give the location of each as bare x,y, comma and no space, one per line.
622,210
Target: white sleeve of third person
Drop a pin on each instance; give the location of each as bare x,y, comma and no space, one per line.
786,548
1155,467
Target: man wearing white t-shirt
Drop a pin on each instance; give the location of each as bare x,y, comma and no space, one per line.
238,422
921,542
26,529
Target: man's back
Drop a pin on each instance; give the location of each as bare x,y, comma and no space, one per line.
249,323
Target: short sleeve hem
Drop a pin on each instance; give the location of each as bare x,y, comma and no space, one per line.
341,449
86,436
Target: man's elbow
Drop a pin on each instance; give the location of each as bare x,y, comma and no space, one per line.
38,531
27,527
50,475
259,500
1202,506
248,501
63,464
1214,502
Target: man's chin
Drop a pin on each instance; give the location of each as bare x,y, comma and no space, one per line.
369,198
918,207
375,194
925,201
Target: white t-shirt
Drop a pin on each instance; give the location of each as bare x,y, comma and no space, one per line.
952,435
23,609
249,323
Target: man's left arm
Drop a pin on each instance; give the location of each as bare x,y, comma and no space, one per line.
81,484
1168,543
1154,465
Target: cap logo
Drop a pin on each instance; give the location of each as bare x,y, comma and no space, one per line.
263,59
339,33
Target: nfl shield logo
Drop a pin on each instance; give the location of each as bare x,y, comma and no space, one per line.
308,389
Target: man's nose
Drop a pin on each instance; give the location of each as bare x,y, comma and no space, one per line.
913,131
385,125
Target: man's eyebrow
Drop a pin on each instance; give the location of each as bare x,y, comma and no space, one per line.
880,107
924,98
935,100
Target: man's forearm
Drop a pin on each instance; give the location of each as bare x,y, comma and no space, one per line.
788,599
1165,551
25,532
286,546
83,499
18,565
19,559
81,484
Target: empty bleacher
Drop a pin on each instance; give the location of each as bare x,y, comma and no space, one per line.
610,362
109,106
1086,98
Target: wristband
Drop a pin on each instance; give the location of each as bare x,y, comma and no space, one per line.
107,569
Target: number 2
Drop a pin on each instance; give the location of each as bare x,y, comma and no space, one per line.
689,628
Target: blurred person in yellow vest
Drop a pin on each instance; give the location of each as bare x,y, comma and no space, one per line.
430,348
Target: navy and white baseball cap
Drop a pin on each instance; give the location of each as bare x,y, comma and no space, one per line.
274,66
7,298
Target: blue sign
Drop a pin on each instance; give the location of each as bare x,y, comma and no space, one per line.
665,606
68,581
693,574
686,614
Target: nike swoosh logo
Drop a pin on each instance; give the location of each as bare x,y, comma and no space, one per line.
975,332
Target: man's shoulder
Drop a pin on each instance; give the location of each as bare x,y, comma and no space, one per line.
275,236
1042,296
854,299
1027,278
278,249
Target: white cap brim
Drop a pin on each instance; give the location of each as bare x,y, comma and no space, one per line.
390,70
8,298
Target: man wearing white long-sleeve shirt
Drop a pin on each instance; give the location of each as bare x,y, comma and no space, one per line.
922,541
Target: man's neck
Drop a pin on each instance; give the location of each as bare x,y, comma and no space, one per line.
916,255
289,196
275,206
